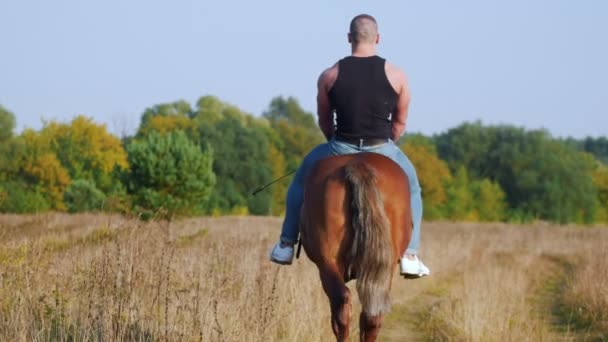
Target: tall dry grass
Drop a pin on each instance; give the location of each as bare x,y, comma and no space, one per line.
585,293
100,277
497,282
118,279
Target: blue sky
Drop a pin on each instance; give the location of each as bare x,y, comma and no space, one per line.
537,64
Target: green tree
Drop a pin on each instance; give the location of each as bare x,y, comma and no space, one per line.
19,198
168,117
240,143
278,189
7,124
179,108
461,203
542,177
600,179
12,154
598,147
296,128
170,172
83,196
243,151
243,166
9,148
490,202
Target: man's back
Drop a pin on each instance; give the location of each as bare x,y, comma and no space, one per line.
363,99
377,82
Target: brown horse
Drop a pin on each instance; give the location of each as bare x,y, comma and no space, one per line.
353,226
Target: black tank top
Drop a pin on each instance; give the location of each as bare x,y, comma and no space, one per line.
363,99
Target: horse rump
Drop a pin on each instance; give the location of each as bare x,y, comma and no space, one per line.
371,251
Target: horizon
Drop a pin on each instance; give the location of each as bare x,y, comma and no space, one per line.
536,66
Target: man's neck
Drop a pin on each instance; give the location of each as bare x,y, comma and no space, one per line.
363,50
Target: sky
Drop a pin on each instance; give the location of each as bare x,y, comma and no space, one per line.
533,64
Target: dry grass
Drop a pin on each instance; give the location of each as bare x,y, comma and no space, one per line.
496,282
585,293
97,277
76,277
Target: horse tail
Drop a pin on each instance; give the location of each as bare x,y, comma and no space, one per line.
371,251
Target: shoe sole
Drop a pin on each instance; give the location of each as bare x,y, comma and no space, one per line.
280,262
413,276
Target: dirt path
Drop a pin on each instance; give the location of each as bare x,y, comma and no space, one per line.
409,297
563,322
414,298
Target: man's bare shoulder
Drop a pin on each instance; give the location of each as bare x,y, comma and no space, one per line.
328,77
395,76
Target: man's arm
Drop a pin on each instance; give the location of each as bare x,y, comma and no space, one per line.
324,110
399,82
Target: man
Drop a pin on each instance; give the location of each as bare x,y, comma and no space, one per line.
370,98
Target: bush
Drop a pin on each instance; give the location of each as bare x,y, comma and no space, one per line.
17,198
169,174
82,195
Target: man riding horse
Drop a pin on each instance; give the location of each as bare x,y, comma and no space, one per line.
370,99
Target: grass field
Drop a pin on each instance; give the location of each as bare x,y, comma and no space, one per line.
101,277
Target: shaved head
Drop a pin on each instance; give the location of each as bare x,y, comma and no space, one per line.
363,29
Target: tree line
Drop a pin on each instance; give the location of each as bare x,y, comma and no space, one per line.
207,159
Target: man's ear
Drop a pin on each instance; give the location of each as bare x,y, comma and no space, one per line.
350,39
378,38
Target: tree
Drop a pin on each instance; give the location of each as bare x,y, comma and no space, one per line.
87,151
542,177
598,147
9,149
166,124
461,203
297,129
167,117
170,172
12,154
19,198
179,108
279,189
41,171
490,202
83,196
7,124
243,166
433,175
600,179
241,144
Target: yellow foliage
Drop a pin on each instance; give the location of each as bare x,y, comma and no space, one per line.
91,144
433,173
167,124
600,179
61,152
240,210
491,205
279,189
3,196
42,166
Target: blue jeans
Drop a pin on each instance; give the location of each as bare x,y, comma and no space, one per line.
295,194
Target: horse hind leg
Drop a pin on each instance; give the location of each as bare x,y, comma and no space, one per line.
340,302
369,327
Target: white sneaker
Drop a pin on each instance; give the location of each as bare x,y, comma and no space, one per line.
413,268
282,255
